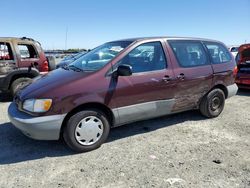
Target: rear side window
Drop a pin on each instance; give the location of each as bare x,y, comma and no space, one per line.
5,51
218,53
27,51
189,53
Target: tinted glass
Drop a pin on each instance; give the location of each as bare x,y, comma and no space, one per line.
99,57
27,51
189,53
146,57
234,49
5,52
219,53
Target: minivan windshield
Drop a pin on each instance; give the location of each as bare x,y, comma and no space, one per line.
99,57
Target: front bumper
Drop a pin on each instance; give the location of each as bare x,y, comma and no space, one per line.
39,128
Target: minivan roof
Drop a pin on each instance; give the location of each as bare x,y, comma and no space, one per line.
167,38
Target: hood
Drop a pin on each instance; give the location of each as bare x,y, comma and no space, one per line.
53,79
244,53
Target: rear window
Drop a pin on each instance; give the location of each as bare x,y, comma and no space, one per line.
218,53
27,51
189,53
246,53
5,51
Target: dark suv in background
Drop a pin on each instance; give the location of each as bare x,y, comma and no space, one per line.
122,82
21,59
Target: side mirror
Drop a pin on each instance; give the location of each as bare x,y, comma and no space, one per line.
124,70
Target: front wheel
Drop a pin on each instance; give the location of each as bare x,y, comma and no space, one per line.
86,130
213,103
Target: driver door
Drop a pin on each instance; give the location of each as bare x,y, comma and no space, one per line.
149,91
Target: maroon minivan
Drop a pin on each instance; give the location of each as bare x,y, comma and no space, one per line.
121,82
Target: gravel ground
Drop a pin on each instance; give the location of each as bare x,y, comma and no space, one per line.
182,150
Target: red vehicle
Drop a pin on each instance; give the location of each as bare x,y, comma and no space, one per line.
243,67
122,82
21,59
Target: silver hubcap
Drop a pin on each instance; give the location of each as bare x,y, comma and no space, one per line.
215,103
89,130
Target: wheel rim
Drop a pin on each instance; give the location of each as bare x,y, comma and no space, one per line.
89,130
215,103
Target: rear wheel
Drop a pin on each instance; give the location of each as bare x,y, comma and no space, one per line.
18,84
213,103
86,130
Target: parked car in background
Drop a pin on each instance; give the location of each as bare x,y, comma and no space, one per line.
243,67
21,59
234,50
69,59
97,92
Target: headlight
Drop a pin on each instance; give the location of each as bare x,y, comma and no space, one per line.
37,105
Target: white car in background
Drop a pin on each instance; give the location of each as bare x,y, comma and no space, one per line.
234,50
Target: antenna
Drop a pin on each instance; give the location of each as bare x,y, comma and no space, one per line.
66,38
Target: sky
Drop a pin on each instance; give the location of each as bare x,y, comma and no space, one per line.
88,24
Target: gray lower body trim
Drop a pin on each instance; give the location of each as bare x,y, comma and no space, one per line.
142,111
40,128
232,90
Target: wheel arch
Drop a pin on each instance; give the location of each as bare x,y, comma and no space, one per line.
218,86
222,87
92,105
20,74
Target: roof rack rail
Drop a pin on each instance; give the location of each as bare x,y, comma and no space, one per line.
26,38
31,39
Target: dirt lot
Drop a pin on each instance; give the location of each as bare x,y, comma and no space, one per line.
183,150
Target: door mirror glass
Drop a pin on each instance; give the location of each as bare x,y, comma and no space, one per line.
124,70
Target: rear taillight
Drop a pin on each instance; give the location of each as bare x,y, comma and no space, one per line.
235,71
45,66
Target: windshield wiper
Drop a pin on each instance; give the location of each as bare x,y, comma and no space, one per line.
75,68
65,67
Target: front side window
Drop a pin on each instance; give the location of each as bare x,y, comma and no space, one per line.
5,51
218,53
189,53
99,57
27,51
146,57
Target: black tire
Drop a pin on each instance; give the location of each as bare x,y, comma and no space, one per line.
213,103
69,134
18,84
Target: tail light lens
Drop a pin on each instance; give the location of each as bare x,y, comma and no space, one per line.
45,66
235,71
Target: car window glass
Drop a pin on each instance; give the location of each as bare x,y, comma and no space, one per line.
219,53
100,56
146,57
189,53
234,49
27,51
5,52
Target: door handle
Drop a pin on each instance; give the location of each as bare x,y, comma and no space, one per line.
166,78
181,76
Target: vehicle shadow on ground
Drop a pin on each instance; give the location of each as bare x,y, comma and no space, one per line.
5,97
243,92
15,147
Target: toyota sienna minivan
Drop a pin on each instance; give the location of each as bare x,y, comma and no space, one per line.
121,82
